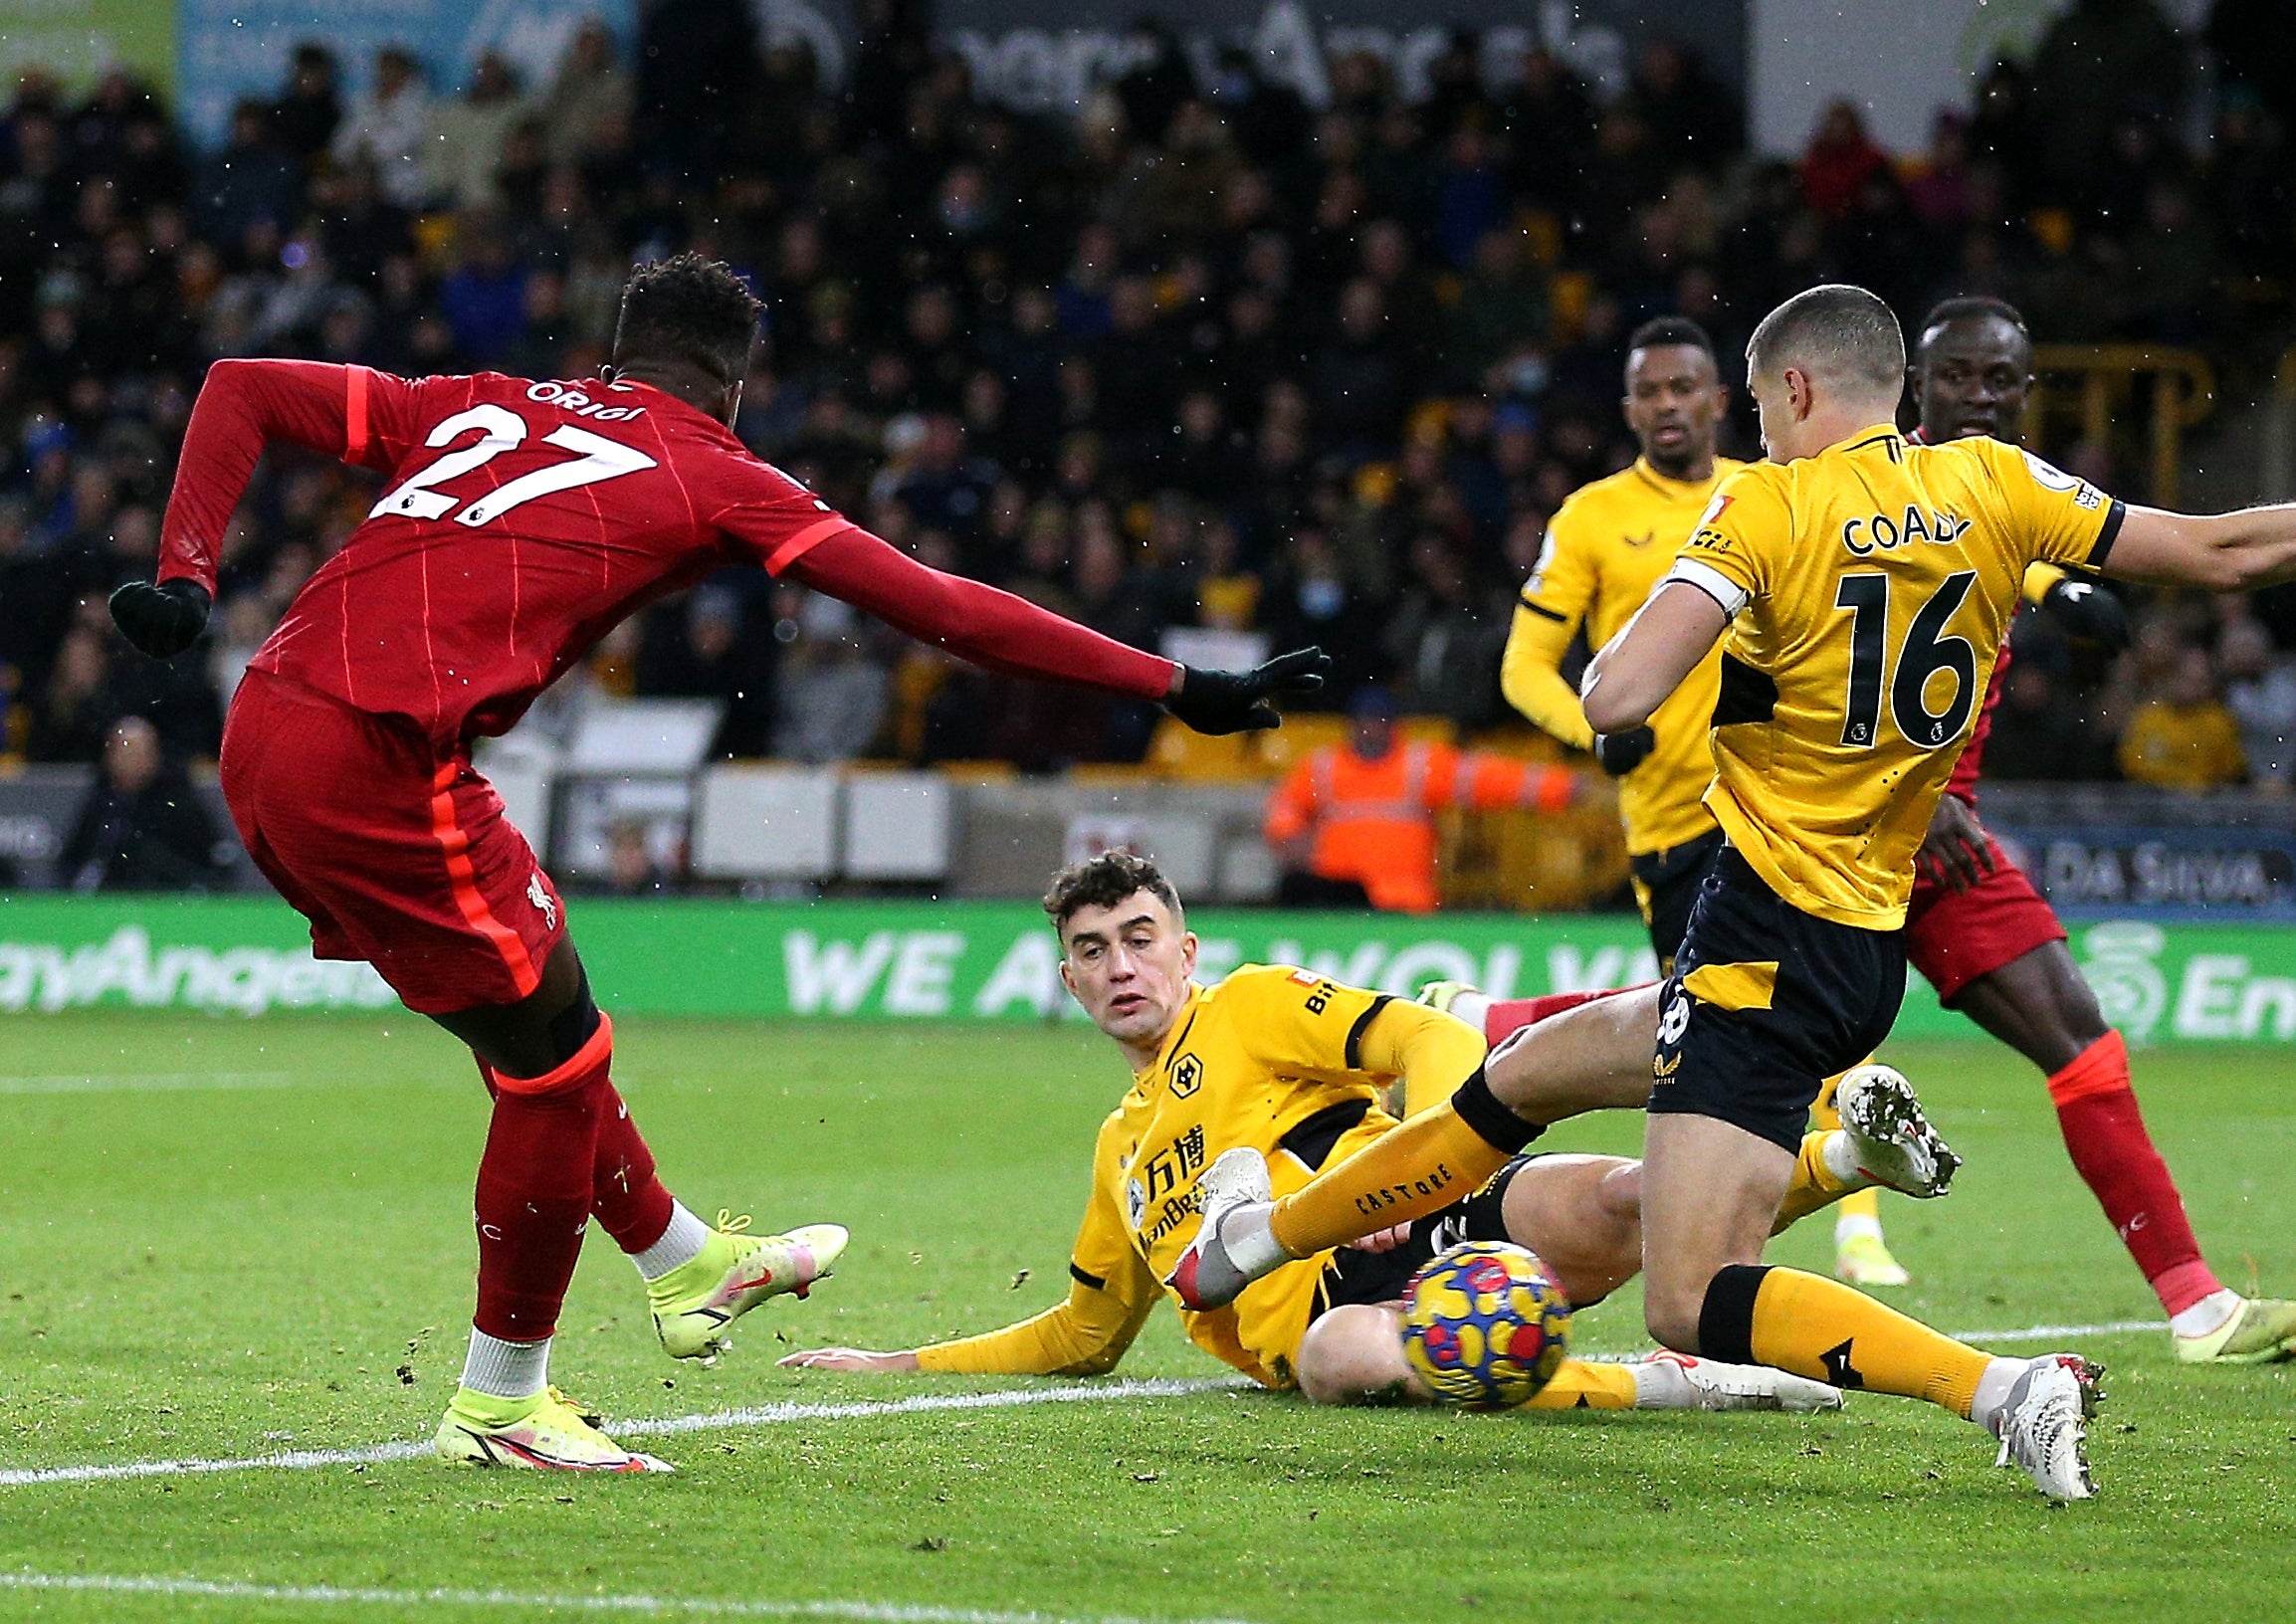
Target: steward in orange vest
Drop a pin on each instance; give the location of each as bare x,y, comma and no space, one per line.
1363,815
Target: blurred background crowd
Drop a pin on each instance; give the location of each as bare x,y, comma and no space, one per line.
1197,359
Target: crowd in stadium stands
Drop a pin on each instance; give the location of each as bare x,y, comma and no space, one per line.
1196,357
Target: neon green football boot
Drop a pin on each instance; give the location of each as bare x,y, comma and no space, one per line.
2264,1329
1443,994
734,1270
545,1433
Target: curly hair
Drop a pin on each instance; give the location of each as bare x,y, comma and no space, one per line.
1103,882
688,309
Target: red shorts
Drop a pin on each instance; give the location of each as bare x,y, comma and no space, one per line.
1955,936
396,856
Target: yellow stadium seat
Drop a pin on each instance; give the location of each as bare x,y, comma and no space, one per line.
1178,751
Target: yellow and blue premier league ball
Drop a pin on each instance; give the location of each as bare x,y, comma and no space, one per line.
1485,1325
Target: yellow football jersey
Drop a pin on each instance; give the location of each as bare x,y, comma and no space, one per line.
1606,548
1277,1059
1869,589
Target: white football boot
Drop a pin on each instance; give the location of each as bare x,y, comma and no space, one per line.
2044,1424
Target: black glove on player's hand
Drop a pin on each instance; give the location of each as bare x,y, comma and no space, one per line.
1236,701
2087,609
162,620
1621,753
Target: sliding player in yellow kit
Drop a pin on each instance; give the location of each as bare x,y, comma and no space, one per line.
1607,546
1300,1069
1866,584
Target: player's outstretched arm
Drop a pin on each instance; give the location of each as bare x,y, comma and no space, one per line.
1004,633
1084,1335
243,407
2223,552
1664,642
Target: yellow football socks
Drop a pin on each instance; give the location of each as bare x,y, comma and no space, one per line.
1414,1169
1864,1203
1826,1331
1578,1385
1814,1184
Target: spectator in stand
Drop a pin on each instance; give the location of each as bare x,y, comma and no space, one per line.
1354,824
251,179
592,92
389,127
1840,162
142,826
463,140
74,711
306,118
833,696
2100,62
2261,691
485,297
2036,733
2184,737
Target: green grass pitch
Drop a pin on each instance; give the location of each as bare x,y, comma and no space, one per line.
190,1270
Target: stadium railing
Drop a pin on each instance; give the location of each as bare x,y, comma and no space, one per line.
2096,385
2276,465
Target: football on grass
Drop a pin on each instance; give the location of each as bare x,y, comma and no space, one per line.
1485,1325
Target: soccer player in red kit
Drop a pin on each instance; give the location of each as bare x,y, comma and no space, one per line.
520,521
1995,952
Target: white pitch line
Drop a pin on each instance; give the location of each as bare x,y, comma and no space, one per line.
654,1427
153,1082
780,1414
2048,1333
870,1612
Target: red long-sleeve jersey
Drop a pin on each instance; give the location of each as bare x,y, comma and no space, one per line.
523,518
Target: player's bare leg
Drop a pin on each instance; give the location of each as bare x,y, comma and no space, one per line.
1709,1190
561,1150
1591,1058
1583,1216
2040,1006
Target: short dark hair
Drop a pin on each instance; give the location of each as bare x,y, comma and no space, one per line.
688,309
1833,332
1103,882
1970,307
1669,329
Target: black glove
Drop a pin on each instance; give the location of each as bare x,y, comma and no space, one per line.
1621,753
162,620
2090,610
1237,702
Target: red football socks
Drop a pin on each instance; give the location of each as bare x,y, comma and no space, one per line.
1509,1016
560,1147
631,1203
2105,1134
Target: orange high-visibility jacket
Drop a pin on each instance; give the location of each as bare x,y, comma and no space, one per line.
1374,821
